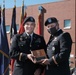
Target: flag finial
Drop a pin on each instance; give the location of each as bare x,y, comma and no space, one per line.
40,8
0,7
15,2
4,3
23,1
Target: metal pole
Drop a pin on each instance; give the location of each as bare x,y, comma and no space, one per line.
3,3
15,2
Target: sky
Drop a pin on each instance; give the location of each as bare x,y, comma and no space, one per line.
10,3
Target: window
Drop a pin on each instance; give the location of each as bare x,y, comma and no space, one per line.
7,29
67,24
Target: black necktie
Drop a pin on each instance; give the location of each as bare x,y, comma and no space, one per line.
29,39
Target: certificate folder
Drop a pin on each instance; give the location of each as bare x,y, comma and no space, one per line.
39,54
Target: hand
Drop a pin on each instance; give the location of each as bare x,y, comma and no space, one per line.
37,72
31,57
45,62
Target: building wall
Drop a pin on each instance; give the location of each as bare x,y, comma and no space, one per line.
75,33
61,10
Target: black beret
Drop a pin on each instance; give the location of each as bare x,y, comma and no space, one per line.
50,20
28,19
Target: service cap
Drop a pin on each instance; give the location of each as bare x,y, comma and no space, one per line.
28,19
50,20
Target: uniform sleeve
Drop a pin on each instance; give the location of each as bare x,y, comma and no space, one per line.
15,51
65,49
44,44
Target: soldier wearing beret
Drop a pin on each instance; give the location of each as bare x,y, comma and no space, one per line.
58,49
21,47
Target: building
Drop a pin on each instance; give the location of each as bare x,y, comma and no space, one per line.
63,10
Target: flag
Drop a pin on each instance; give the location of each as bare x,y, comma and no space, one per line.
21,29
0,37
0,15
23,16
39,26
4,48
13,31
22,12
39,23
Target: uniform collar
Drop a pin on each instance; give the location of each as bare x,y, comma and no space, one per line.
25,33
29,34
59,31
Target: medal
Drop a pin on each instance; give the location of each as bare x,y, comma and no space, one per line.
53,48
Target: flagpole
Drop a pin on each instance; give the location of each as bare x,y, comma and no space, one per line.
3,3
6,47
21,28
13,31
15,2
40,20
23,2
0,11
23,7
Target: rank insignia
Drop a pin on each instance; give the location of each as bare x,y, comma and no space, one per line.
49,20
31,19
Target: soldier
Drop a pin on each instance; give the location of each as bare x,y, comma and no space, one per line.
21,47
58,49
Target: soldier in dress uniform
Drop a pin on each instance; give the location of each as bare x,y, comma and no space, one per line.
58,49
21,47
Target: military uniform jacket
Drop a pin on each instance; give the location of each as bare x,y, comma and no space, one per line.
20,44
59,46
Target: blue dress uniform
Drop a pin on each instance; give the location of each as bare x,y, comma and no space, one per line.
58,51
20,44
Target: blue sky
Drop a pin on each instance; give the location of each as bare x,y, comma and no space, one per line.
10,3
